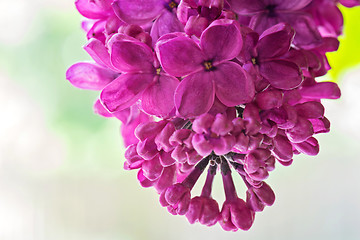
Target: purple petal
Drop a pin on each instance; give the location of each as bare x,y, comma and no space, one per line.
223,145
309,147
147,150
265,194
168,178
149,130
310,110
131,56
221,125
236,215
158,99
329,44
144,182
89,76
301,131
247,6
152,169
275,41
321,125
250,40
202,145
97,31
97,50
254,202
269,99
179,56
166,159
233,87
100,110
195,25
137,11
282,148
330,19
93,9
162,139
169,36
281,74
166,23
291,4
307,36
350,3
202,209
321,90
195,94
113,23
124,91
221,41
261,22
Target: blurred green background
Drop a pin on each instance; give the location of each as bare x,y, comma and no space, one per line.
61,173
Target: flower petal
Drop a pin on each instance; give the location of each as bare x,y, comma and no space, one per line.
247,6
92,9
131,56
350,3
100,110
97,50
166,23
195,25
307,36
221,41
302,130
89,76
179,56
97,31
158,99
328,90
250,40
124,91
195,94
233,87
291,4
260,22
281,74
310,109
275,41
137,11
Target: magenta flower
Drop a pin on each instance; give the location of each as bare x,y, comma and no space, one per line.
267,13
265,54
213,134
235,214
327,17
258,198
141,78
198,15
101,22
204,209
228,86
142,11
145,11
207,68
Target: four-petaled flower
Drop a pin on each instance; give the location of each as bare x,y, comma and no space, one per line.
206,68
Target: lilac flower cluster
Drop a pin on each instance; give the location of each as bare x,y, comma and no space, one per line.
219,85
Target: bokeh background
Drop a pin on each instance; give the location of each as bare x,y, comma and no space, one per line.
61,173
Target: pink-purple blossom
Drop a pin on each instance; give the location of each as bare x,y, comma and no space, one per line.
206,87
206,69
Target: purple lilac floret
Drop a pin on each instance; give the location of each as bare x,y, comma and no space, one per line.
211,86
